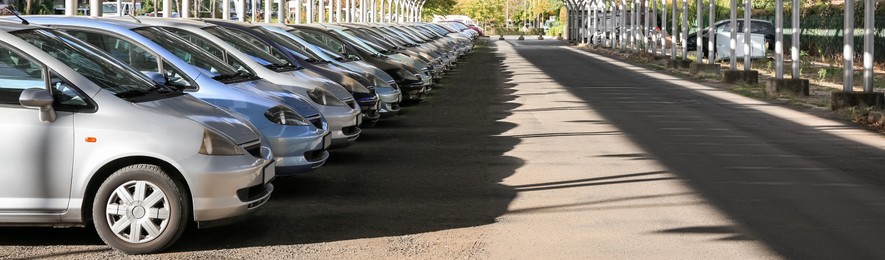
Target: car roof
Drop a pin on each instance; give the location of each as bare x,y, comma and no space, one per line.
12,25
85,21
168,21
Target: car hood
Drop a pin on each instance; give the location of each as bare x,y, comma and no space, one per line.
237,129
281,94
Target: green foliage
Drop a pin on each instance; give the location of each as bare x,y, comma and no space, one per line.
439,7
484,12
555,29
822,74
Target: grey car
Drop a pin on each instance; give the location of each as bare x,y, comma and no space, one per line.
295,128
343,121
95,142
386,89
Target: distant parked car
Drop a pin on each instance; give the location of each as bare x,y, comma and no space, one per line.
94,142
756,26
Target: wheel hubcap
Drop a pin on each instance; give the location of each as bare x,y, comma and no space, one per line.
138,211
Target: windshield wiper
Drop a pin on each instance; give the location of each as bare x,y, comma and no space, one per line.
240,75
282,68
141,92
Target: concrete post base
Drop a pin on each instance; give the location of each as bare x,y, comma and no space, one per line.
501,37
876,117
748,76
858,99
795,87
705,69
521,38
679,64
559,38
661,60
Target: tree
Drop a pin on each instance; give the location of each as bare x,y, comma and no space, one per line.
482,11
439,7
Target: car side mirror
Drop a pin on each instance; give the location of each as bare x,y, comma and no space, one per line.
157,77
40,99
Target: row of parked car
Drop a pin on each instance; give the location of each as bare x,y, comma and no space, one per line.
139,126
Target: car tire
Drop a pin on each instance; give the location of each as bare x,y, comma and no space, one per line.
148,195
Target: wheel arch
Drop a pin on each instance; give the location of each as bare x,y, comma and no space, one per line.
109,168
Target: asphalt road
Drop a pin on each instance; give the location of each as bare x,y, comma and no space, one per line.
534,150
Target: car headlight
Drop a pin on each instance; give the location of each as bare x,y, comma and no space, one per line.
216,144
284,116
325,98
404,74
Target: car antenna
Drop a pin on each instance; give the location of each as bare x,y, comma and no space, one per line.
11,9
133,17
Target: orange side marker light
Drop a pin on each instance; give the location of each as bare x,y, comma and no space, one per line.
91,139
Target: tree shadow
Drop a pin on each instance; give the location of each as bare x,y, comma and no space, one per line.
802,191
436,166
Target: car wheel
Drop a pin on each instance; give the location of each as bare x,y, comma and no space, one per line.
139,209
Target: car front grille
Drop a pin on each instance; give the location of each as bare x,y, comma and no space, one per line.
350,130
313,156
253,148
316,121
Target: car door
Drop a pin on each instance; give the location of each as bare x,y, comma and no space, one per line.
36,165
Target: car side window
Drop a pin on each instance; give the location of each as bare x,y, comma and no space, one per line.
17,73
174,77
725,27
121,50
760,27
65,96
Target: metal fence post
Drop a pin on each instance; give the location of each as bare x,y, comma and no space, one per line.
794,36
711,42
732,43
848,48
684,36
748,51
699,39
779,39
868,37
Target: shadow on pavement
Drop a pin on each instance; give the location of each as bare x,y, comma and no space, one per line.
436,166
802,192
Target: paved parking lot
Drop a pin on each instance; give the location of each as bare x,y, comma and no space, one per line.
532,150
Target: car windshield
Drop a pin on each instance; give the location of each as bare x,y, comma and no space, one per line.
293,46
394,40
109,8
408,34
191,54
320,52
210,47
98,67
397,34
385,45
374,46
239,42
356,42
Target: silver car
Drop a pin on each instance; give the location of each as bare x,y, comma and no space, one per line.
342,119
295,129
94,142
389,93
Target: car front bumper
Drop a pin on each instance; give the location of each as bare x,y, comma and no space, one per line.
228,187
